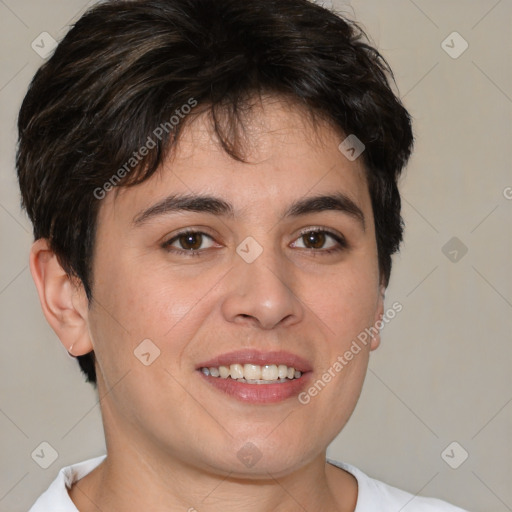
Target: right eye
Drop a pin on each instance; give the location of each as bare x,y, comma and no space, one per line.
189,243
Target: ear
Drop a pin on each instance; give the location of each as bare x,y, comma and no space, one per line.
379,313
63,300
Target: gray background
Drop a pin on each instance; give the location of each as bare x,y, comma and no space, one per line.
443,372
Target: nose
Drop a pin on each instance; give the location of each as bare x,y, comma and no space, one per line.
262,293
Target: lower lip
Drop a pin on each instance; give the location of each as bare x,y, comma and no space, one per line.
258,393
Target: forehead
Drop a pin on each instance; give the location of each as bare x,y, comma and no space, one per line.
285,156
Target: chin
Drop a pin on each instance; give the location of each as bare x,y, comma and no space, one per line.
261,457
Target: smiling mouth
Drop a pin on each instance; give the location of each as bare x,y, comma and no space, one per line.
255,376
254,373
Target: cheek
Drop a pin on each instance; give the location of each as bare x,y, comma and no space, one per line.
143,313
147,300
136,302
345,302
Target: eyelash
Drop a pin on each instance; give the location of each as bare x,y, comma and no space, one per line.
341,241
167,245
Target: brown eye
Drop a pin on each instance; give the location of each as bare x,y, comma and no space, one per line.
191,241
320,241
314,240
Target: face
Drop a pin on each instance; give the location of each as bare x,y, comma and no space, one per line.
259,275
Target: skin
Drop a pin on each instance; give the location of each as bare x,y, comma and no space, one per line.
172,439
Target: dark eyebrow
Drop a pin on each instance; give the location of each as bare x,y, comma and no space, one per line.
191,203
213,205
339,202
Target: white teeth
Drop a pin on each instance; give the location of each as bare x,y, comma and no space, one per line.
254,373
269,372
224,372
236,371
277,381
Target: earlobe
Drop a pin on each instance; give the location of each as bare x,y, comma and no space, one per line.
63,302
378,318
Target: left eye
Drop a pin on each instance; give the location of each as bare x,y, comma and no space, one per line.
192,241
317,240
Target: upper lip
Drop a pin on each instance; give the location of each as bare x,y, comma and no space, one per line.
261,358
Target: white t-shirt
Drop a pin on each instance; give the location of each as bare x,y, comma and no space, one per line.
372,494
